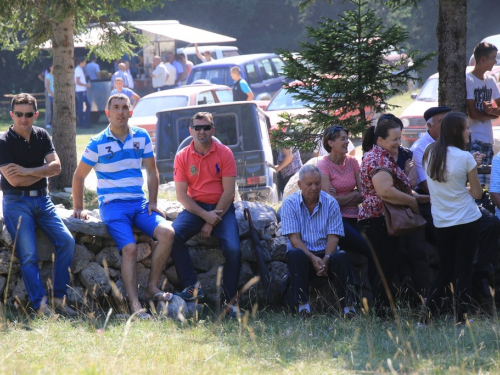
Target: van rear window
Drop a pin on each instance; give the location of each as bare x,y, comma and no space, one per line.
226,128
216,75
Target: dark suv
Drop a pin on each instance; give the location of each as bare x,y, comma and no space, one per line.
242,126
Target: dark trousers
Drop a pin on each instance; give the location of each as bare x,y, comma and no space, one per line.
302,271
282,181
352,240
456,245
489,233
413,267
186,225
386,250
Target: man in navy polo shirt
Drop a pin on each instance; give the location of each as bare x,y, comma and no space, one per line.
27,158
117,154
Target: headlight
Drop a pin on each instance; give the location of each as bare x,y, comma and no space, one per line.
405,121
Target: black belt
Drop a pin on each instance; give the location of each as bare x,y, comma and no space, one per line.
27,193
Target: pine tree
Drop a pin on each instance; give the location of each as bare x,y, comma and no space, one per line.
344,75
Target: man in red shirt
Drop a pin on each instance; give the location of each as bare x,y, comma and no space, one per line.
205,176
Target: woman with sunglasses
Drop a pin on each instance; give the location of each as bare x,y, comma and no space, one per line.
340,178
456,216
379,175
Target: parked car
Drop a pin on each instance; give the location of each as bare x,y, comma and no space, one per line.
242,126
218,52
493,39
263,72
413,116
145,110
287,102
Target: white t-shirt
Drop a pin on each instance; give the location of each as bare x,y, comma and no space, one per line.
81,74
172,73
451,203
479,91
160,75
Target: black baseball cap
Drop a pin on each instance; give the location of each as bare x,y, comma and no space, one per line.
431,112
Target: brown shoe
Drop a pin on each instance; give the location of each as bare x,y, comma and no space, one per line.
45,311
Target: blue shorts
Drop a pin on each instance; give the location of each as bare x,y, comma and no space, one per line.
121,215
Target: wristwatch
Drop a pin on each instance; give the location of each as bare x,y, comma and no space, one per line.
327,255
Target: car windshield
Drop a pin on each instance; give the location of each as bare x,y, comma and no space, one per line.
286,100
149,106
429,92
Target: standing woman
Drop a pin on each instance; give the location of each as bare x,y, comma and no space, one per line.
456,216
380,177
289,163
340,179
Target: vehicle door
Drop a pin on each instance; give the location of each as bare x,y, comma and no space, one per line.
271,79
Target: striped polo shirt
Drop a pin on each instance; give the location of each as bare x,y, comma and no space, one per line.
313,228
118,164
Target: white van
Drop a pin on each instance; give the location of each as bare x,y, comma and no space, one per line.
218,52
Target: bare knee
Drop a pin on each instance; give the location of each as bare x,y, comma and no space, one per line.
129,251
164,233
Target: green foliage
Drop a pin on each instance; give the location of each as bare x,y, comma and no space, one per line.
33,21
345,76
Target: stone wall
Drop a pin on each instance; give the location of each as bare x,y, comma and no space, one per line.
96,278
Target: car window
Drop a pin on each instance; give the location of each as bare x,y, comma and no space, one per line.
253,76
206,97
278,64
226,128
215,75
230,53
286,100
149,106
266,69
429,92
224,96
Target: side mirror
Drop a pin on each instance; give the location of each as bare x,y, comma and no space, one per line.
414,95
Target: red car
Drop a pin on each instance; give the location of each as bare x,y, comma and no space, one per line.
413,116
144,115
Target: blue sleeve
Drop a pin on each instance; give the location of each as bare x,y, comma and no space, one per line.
244,86
495,175
289,220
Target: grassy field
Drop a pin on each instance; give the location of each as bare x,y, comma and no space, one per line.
402,101
263,342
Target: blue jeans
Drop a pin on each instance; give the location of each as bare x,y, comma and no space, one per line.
82,119
39,212
186,226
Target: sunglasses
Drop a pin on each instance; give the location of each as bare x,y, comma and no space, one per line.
336,129
197,128
26,114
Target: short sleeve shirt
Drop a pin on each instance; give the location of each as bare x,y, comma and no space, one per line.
204,173
118,164
313,228
125,91
481,90
160,75
15,149
343,179
79,73
418,149
451,202
371,206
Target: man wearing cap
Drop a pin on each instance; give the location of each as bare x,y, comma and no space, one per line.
27,158
205,175
490,224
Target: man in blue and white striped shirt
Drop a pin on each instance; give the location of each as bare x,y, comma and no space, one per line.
312,221
116,155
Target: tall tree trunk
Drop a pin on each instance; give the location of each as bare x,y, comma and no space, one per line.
451,34
64,118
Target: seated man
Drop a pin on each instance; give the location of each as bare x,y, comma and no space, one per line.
117,154
27,158
312,221
205,175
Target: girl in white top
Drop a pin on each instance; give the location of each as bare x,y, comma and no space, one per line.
456,216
